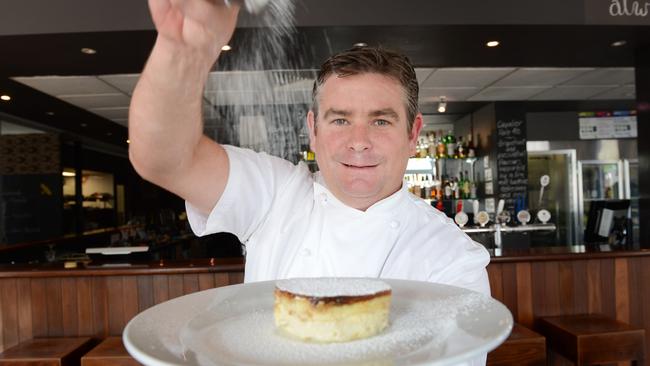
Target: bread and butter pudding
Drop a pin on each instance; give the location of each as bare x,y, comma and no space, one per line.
331,309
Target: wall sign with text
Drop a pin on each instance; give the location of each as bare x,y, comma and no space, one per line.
607,125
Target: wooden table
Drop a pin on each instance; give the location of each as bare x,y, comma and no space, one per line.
110,352
46,352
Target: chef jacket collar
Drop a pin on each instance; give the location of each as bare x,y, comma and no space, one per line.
389,205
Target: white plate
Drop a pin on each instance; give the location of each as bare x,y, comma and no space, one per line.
430,324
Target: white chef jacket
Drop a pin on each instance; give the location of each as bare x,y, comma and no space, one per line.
293,226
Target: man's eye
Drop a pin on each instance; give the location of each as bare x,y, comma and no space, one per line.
382,122
340,122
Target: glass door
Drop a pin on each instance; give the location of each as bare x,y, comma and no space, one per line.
560,197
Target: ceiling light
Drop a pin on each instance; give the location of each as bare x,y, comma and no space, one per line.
109,134
88,51
83,124
5,97
620,43
492,43
68,174
360,44
226,48
49,113
442,105
128,141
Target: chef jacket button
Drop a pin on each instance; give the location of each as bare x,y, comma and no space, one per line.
323,198
394,224
306,252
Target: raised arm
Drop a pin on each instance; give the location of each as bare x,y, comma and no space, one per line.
168,147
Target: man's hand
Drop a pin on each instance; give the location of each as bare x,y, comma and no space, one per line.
198,24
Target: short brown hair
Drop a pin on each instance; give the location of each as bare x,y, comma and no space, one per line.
378,60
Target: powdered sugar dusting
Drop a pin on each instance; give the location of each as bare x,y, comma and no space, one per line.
332,287
250,337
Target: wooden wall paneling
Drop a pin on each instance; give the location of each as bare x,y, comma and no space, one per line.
175,285
130,295
54,306
495,276
206,281
24,300
2,346
99,295
221,279
115,309
593,286
9,314
524,294
235,278
510,288
160,289
566,287
581,290
39,313
69,306
85,323
622,292
552,288
607,290
642,294
190,283
145,292
537,282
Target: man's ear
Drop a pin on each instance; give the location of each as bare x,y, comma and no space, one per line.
311,124
415,132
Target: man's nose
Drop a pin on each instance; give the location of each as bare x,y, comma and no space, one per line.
359,138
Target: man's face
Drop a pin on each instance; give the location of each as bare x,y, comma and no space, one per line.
360,138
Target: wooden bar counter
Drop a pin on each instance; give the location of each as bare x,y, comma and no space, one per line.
98,301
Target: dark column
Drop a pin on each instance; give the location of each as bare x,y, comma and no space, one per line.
78,181
643,125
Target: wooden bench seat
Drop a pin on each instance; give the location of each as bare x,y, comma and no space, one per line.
46,352
110,352
523,347
587,339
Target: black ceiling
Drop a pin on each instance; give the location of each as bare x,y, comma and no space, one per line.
426,45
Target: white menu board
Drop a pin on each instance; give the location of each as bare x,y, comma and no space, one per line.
607,127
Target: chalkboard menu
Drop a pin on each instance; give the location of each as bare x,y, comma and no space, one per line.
512,162
30,207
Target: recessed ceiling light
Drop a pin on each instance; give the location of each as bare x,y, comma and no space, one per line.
5,97
109,134
226,48
88,51
68,174
128,141
620,43
49,113
492,43
360,44
83,124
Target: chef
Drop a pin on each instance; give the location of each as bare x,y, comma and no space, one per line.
352,218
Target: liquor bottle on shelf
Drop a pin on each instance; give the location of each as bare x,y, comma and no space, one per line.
456,188
431,150
461,148
441,147
471,149
466,188
450,142
447,187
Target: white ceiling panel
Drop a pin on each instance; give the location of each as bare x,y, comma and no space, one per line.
465,77
428,95
606,76
423,73
88,101
67,85
237,80
112,113
540,76
623,92
495,93
123,82
570,92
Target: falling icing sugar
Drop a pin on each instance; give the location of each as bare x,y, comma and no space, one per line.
251,337
332,287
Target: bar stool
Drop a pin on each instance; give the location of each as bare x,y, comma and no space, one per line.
593,338
523,347
47,352
110,352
